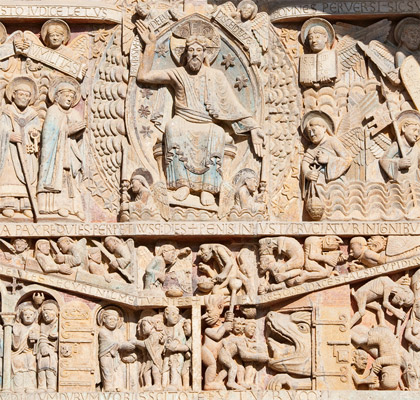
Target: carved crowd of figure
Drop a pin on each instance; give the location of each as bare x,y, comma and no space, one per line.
34,347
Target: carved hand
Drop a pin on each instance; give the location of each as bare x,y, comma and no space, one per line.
400,314
59,258
145,34
258,141
322,157
376,368
229,315
21,45
15,137
332,259
77,126
404,163
65,269
313,175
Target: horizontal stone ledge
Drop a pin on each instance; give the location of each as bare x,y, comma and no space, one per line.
78,10
209,229
134,300
292,10
213,395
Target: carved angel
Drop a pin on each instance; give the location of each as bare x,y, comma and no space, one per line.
55,34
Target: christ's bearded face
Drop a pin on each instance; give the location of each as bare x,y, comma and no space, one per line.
195,57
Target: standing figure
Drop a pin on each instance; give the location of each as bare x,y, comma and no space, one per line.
24,341
61,159
111,342
47,358
401,161
412,335
19,134
175,349
152,340
195,137
213,335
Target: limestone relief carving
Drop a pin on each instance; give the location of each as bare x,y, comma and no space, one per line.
209,199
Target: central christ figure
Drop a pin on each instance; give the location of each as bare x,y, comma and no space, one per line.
194,137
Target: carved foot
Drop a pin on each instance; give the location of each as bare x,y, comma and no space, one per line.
63,212
182,193
28,213
214,386
234,386
207,199
8,213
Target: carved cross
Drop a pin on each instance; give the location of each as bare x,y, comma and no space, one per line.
14,285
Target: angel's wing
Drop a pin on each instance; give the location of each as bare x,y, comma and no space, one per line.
160,196
28,35
127,33
379,144
80,48
383,56
228,8
143,256
377,31
348,52
261,29
354,142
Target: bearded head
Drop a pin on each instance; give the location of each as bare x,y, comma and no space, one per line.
196,54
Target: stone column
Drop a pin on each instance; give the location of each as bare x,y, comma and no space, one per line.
196,345
8,320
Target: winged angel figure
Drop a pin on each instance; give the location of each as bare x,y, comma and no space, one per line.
364,142
67,57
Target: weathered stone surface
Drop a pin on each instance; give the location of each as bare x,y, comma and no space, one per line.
207,200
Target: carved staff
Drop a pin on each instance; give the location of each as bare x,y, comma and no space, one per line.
393,118
112,258
31,193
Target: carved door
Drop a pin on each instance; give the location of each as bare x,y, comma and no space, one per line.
332,357
77,350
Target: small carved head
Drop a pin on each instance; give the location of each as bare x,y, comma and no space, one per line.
411,130
27,314
172,315
169,253
49,311
20,245
43,246
55,33
111,243
403,296
416,309
214,309
205,252
238,326
316,125
250,328
247,9
142,9
318,34
22,91
195,49
357,246
65,244
407,33
65,96
110,318
360,360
